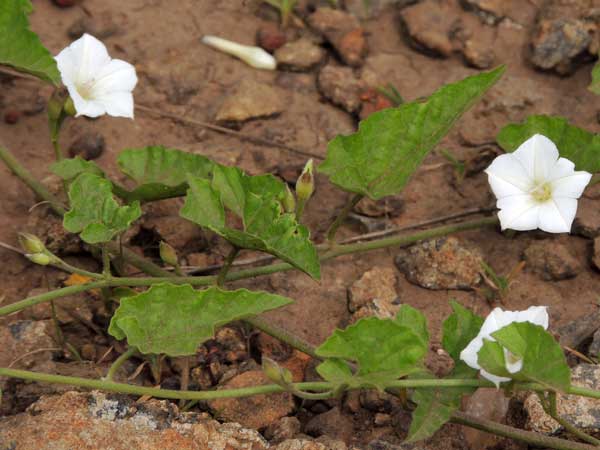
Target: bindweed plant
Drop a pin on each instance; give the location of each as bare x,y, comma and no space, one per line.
171,314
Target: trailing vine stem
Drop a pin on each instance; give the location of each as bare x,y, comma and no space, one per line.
207,280
339,220
322,389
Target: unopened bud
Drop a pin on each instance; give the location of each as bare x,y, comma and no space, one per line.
289,200
39,258
306,182
56,104
69,107
31,243
276,373
168,254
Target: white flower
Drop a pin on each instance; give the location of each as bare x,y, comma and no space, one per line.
496,320
535,188
97,84
253,56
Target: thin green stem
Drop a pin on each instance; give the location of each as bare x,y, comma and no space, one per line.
63,265
536,439
319,386
282,335
116,365
249,273
342,216
38,188
221,278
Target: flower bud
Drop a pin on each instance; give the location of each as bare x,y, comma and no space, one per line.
39,258
168,254
31,243
253,56
289,200
306,182
69,107
276,373
55,105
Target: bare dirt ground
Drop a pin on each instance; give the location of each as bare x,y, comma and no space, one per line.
181,76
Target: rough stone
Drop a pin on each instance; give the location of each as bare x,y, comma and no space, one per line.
594,349
300,56
88,146
490,11
487,404
300,444
587,220
477,55
266,409
389,206
270,37
284,428
596,253
551,260
557,42
343,32
442,263
374,294
378,401
101,26
251,100
427,26
332,423
582,412
338,84
576,332
96,421
21,341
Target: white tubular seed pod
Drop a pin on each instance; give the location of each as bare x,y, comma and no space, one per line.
253,56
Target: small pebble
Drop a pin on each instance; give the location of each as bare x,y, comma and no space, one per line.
89,146
11,116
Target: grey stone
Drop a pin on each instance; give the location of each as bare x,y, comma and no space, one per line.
551,260
582,412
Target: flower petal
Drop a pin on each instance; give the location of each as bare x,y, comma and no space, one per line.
469,353
512,363
507,176
537,315
538,155
116,76
493,378
570,186
518,212
88,55
118,104
88,108
557,215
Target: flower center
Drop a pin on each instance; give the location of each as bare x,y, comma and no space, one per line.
511,358
86,90
542,192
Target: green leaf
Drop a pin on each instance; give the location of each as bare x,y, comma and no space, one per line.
575,144
175,320
389,146
94,212
595,84
70,168
384,350
256,200
20,47
460,328
161,172
543,359
491,358
416,321
436,405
